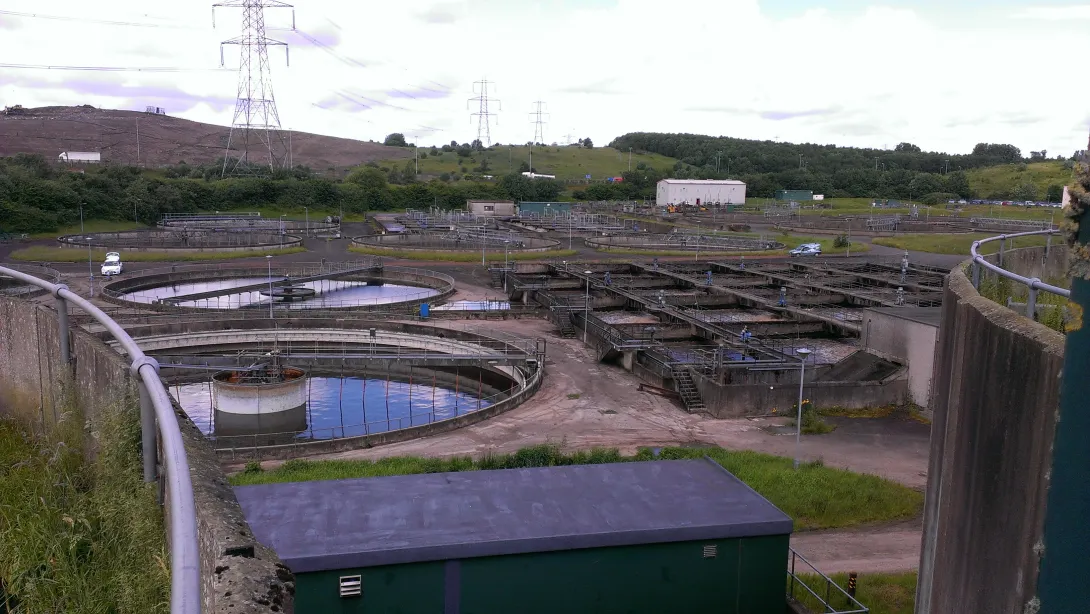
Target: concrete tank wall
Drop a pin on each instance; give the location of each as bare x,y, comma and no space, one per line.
238,575
995,398
263,399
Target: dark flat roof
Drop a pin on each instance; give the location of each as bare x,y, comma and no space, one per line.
364,522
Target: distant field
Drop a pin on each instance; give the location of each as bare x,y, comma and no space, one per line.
862,206
90,226
567,163
1007,178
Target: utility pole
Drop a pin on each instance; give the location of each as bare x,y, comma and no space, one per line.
256,122
539,117
138,163
483,115
629,158
800,162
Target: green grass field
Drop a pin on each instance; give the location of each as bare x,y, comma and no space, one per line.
78,535
1006,179
567,163
39,253
957,244
815,496
862,206
882,593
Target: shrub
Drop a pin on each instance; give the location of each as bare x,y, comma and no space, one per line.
841,241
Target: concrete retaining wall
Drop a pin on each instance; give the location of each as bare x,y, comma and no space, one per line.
995,400
736,401
239,576
900,335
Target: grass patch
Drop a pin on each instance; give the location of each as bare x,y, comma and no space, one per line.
882,593
452,256
866,412
91,226
790,242
40,253
1002,181
298,214
958,244
79,536
574,395
812,424
815,496
1052,308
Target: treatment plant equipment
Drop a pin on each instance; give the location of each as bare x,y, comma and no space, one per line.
724,335
328,227
365,284
183,240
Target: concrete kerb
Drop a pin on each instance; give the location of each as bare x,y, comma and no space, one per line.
622,243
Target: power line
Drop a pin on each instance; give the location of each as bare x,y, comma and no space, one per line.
540,119
255,105
483,115
105,22
110,68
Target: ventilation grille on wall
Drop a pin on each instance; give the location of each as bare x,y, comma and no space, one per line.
711,551
351,586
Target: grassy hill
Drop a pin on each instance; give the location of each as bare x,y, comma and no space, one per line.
1003,181
163,139
567,163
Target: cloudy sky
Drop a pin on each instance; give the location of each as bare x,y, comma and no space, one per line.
944,74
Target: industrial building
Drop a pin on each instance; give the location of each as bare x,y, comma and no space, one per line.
83,157
658,536
699,192
795,195
497,208
544,209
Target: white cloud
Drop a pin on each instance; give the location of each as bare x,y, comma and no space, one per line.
1054,13
868,78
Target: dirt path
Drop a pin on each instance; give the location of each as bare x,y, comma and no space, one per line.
887,549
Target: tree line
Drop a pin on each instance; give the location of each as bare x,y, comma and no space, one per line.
38,196
837,172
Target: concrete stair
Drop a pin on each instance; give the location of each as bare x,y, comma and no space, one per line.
563,322
686,388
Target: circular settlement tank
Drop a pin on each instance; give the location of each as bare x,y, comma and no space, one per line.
267,400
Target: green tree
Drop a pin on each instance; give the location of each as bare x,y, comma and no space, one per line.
1026,191
588,143
368,177
1055,193
395,139
907,147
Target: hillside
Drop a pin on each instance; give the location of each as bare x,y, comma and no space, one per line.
567,163
1005,180
163,139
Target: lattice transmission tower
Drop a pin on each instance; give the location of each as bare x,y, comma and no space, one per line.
483,115
255,128
540,118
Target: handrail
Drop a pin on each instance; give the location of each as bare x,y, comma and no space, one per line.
1033,283
155,408
853,605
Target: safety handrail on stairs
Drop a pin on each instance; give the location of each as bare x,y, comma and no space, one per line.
156,409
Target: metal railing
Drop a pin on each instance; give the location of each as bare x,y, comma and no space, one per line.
156,410
832,593
1033,284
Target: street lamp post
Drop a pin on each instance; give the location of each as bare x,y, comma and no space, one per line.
81,218
90,269
586,306
505,243
268,259
306,214
803,353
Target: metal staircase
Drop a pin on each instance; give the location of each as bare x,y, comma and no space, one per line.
686,388
497,276
562,315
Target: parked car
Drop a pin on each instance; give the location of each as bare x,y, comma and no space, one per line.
113,265
807,249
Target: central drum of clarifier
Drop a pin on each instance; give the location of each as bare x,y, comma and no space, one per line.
269,399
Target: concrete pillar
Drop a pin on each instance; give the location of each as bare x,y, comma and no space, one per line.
628,359
1065,567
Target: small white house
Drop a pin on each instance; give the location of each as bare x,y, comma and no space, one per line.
498,208
81,157
698,192
1067,197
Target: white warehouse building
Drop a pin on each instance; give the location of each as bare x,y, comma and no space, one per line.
698,192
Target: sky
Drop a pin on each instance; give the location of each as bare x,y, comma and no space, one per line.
943,74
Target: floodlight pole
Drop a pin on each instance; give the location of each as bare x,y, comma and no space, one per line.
803,353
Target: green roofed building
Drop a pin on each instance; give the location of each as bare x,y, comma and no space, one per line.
544,209
659,536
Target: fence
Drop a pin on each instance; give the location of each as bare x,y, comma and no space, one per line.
826,598
1033,284
156,410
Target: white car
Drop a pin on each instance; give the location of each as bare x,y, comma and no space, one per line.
113,265
807,249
